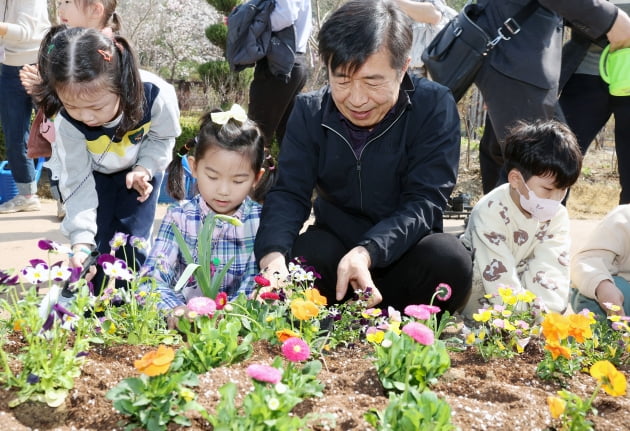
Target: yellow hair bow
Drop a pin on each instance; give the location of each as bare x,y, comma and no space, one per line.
236,112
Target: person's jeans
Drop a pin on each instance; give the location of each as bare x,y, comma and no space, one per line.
16,108
579,302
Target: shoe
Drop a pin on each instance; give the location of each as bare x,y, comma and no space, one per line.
61,211
20,203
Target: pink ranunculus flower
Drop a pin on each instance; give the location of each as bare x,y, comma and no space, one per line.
261,281
221,300
419,332
202,305
444,291
264,373
417,311
295,349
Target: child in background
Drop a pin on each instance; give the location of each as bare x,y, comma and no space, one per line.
519,232
227,159
600,270
115,131
98,14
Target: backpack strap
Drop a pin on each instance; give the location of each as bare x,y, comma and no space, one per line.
512,25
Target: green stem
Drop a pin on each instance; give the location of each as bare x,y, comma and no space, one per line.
246,317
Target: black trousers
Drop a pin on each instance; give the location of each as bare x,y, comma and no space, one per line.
587,106
271,99
412,279
120,211
508,101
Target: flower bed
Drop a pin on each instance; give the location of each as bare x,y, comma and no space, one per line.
290,362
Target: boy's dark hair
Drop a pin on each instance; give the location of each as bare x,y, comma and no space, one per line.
86,61
243,137
359,28
542,148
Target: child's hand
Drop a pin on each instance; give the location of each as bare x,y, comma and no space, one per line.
607,293
29,75
139,178
174,316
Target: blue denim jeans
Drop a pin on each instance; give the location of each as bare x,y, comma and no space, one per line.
15,114
580,302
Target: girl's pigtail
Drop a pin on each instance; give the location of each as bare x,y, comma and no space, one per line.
115,23
43,92
268,179
132,97
176,185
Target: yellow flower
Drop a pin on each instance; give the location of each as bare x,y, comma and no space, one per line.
284,334
155,362
470,338
508,326
304,310
526,297
555,327
556,349
313,295
482,335
394,326
187,394
376,337
612,381
269,318
484,316
556,406
505,291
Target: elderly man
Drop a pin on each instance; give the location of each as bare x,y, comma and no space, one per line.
381,150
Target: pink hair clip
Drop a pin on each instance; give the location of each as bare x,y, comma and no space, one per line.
106,55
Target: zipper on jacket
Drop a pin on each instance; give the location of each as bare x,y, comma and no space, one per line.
358,159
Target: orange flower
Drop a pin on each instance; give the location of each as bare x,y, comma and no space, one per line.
557,350
613,381
304,310
555,327
17,325
580,327
314,296
155,362
284,334
556,406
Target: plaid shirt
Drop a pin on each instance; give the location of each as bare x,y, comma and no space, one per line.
166,263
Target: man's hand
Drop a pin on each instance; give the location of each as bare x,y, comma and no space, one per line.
354,270
138,179
619,34
607,292
273,268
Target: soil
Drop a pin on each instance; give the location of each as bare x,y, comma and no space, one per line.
502,394
498,395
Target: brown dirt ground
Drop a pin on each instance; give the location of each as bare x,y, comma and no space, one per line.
499,395
496,395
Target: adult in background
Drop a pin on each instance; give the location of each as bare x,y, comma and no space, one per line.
520,78
24,24
381,149
587,104
430,17
271,97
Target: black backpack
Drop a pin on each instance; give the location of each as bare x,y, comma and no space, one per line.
249,33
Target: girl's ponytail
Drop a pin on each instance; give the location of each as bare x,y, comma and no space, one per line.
132,99
45,96
268,179
175,185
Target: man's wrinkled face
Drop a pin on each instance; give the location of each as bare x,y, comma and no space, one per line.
366,96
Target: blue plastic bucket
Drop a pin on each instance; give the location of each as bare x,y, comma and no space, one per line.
8,188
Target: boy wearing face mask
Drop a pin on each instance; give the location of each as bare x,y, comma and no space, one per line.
519,232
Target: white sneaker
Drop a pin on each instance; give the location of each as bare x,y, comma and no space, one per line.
61,211
20,203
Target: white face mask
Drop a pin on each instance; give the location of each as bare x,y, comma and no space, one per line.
541,209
